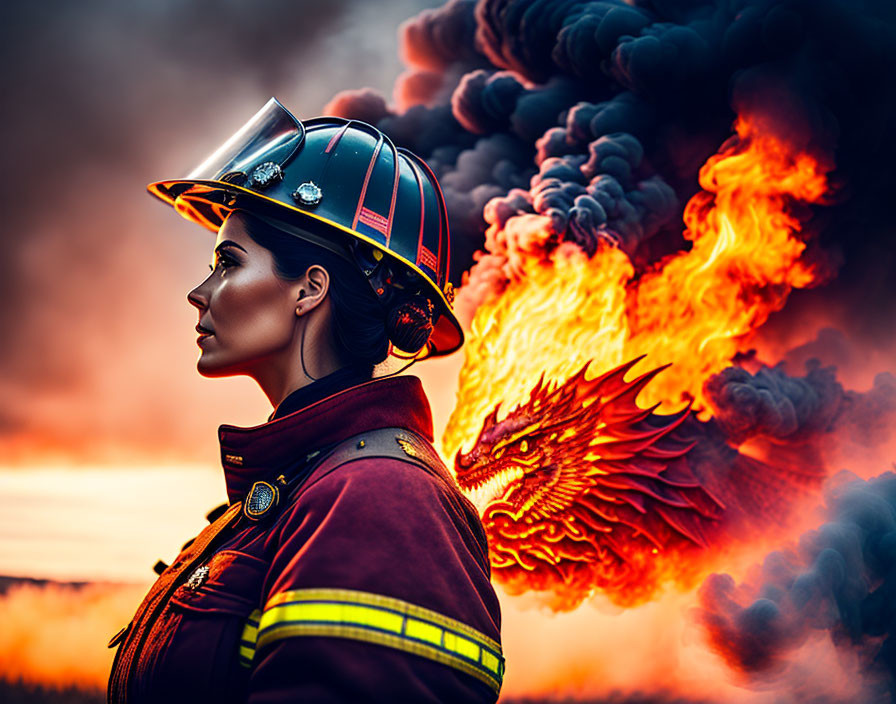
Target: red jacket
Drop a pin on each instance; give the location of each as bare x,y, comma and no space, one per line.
368,581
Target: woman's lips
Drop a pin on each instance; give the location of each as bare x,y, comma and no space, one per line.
204,334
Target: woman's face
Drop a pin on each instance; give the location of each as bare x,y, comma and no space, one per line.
247,314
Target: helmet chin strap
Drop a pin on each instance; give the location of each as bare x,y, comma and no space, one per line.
302,352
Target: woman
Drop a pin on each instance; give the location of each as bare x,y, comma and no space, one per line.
347,566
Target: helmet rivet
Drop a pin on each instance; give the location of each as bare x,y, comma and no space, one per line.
308,193
265,175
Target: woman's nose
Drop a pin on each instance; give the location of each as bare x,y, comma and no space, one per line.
197,297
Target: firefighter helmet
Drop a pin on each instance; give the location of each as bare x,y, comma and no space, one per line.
334,179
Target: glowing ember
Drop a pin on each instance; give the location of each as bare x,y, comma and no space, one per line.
560,310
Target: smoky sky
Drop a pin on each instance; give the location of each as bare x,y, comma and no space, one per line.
99,99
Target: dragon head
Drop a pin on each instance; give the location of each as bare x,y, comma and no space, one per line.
581,488
530,457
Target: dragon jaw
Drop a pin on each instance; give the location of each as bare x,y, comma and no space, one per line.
513,461
538,459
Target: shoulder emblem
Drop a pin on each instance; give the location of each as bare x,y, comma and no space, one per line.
420,451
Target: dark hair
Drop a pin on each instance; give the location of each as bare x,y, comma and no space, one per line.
359,320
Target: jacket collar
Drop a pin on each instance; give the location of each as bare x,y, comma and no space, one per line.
319,390
264,451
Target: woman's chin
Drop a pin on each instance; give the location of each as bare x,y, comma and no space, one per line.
209,367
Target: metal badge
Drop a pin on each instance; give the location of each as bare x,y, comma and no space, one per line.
308,193
197,579
261,499
265,175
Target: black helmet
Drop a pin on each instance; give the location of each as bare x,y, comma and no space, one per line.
329,175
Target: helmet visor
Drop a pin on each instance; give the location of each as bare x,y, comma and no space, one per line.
273,134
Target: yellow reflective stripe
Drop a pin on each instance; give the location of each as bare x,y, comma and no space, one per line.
350,596
249,638
423,631
337,613
383,620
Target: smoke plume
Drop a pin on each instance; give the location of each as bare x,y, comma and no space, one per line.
609,109
836,583
772,404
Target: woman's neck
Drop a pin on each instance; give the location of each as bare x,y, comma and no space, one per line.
313,354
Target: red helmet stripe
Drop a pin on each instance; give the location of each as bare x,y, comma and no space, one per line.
422,209
443,221
374,220
334,140
376,153
394,193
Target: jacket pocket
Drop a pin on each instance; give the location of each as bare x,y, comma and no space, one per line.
201,658
228,583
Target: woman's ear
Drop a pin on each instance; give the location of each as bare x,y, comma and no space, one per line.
312,289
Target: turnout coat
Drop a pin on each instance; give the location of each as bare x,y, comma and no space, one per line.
347,567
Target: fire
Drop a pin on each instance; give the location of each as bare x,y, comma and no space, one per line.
699,308
560,310
553,318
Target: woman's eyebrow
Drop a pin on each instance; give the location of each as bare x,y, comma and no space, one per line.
229,243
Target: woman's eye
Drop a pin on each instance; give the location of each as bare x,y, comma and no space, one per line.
223,261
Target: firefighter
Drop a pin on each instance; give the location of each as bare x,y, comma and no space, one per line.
346,566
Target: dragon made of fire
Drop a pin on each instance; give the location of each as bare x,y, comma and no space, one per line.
590,492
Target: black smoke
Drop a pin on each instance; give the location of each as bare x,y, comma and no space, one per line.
773,405
603,112
838,582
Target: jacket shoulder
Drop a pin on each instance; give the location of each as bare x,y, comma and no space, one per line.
383,525
399,462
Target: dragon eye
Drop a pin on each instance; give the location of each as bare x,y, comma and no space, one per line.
524,446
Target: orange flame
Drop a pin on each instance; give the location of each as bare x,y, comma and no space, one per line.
695,309
699,308
559,310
